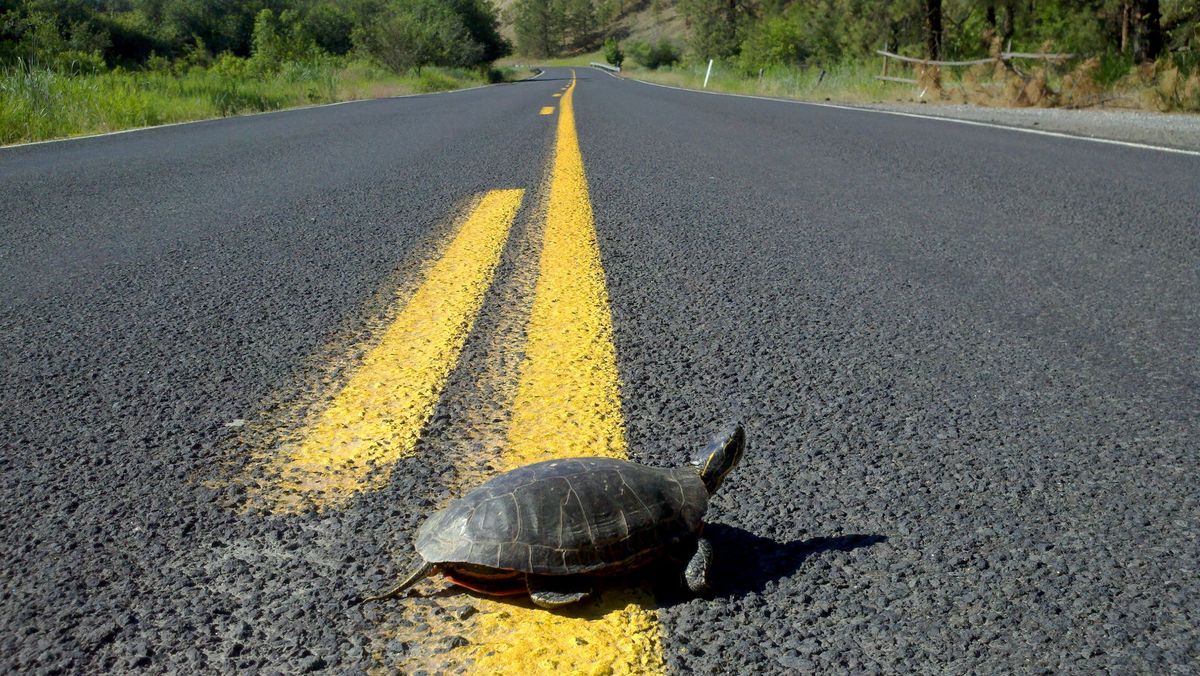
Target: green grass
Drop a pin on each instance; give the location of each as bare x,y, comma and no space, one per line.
38,104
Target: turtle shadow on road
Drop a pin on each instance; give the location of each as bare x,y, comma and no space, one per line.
746,562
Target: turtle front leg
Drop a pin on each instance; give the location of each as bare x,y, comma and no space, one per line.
696,573
552,592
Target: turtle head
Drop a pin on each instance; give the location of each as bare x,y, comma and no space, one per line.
720,457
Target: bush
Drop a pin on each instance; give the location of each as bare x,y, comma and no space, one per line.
776,41
419,33
230,66
613,53
663,53
280,39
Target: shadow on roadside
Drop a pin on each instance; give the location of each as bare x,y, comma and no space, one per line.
746,562
743,563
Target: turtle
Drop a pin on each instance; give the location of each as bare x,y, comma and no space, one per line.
544,529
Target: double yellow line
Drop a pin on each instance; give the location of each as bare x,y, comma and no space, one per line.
567,403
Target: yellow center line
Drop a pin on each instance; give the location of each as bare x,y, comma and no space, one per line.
547,110
379,414
567,404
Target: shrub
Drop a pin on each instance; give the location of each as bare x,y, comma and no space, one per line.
776,41
419,33
279,40
613,53
230,66
662,53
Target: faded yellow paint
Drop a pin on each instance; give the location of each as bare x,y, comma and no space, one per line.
556,94
382,409
547,110
567,404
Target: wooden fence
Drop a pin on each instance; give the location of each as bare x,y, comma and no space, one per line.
1003,58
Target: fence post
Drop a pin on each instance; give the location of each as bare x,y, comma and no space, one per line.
885,60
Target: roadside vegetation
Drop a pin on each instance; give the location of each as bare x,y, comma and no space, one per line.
71,67
1120,53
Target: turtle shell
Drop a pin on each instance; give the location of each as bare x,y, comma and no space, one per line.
567,517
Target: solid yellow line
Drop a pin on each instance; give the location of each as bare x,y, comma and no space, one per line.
379,414
568,401
568,404
547,110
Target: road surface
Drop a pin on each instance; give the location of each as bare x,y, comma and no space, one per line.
244,358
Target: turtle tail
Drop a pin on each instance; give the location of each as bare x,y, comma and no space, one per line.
419,570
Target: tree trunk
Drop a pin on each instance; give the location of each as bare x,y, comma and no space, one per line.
1126,10
1009,25
1147,30
933,28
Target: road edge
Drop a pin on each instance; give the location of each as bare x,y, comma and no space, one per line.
292,109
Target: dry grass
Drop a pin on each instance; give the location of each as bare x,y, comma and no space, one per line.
1079,84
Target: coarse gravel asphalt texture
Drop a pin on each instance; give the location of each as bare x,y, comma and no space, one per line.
966,359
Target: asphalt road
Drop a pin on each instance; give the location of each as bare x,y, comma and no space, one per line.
966,359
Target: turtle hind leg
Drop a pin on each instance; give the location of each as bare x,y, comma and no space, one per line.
553,592
418,570
696,573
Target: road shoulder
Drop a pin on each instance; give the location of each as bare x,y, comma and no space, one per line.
1160,129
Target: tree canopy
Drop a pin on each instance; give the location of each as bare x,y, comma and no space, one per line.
398,33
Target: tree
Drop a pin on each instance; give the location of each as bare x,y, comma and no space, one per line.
1147,38
579,22
538,25
330,25
482,23
714,26
933,28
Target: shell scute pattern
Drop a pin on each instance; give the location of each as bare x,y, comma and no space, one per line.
567,516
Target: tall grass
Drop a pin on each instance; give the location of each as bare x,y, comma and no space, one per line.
854,82
38,103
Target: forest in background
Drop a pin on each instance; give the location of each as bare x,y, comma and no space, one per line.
772,32
1136,53
80,66
94,35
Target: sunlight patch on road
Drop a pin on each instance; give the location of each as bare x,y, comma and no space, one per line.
567,404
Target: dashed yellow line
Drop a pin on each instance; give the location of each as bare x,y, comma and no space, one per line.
568,404
379,414
547,110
